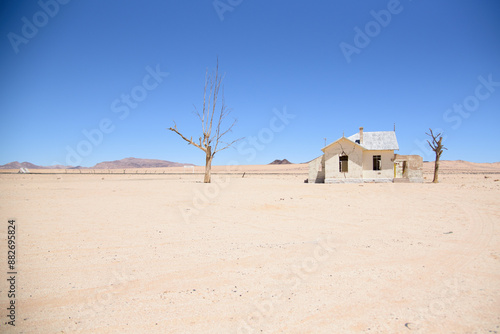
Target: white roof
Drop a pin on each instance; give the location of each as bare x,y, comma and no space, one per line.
378,140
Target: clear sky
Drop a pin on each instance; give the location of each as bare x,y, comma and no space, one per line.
89,81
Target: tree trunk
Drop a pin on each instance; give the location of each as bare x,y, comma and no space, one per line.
436,169
208,165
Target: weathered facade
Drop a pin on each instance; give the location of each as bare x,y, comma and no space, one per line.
365,157
408,168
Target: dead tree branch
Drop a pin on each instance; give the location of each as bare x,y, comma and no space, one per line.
437,146
211,137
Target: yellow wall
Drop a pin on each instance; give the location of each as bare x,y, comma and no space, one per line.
387,170
355,154
360,162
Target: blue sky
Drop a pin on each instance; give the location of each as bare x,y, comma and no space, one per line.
332,66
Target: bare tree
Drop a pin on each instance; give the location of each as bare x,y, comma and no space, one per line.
211,141
438,148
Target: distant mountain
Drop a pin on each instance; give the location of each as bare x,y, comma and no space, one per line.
57,167
117,164
137,163
18,165
280,162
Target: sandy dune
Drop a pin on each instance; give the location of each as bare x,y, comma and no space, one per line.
164,253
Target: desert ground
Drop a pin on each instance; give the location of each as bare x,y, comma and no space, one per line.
256,251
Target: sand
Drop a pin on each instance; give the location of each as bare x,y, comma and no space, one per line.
165,253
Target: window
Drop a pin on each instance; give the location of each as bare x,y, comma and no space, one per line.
343,164
377,162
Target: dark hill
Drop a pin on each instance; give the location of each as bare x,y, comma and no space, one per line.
280,162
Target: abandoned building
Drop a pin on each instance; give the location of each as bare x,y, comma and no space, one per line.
365,157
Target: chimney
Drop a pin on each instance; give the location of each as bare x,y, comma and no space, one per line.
361,135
